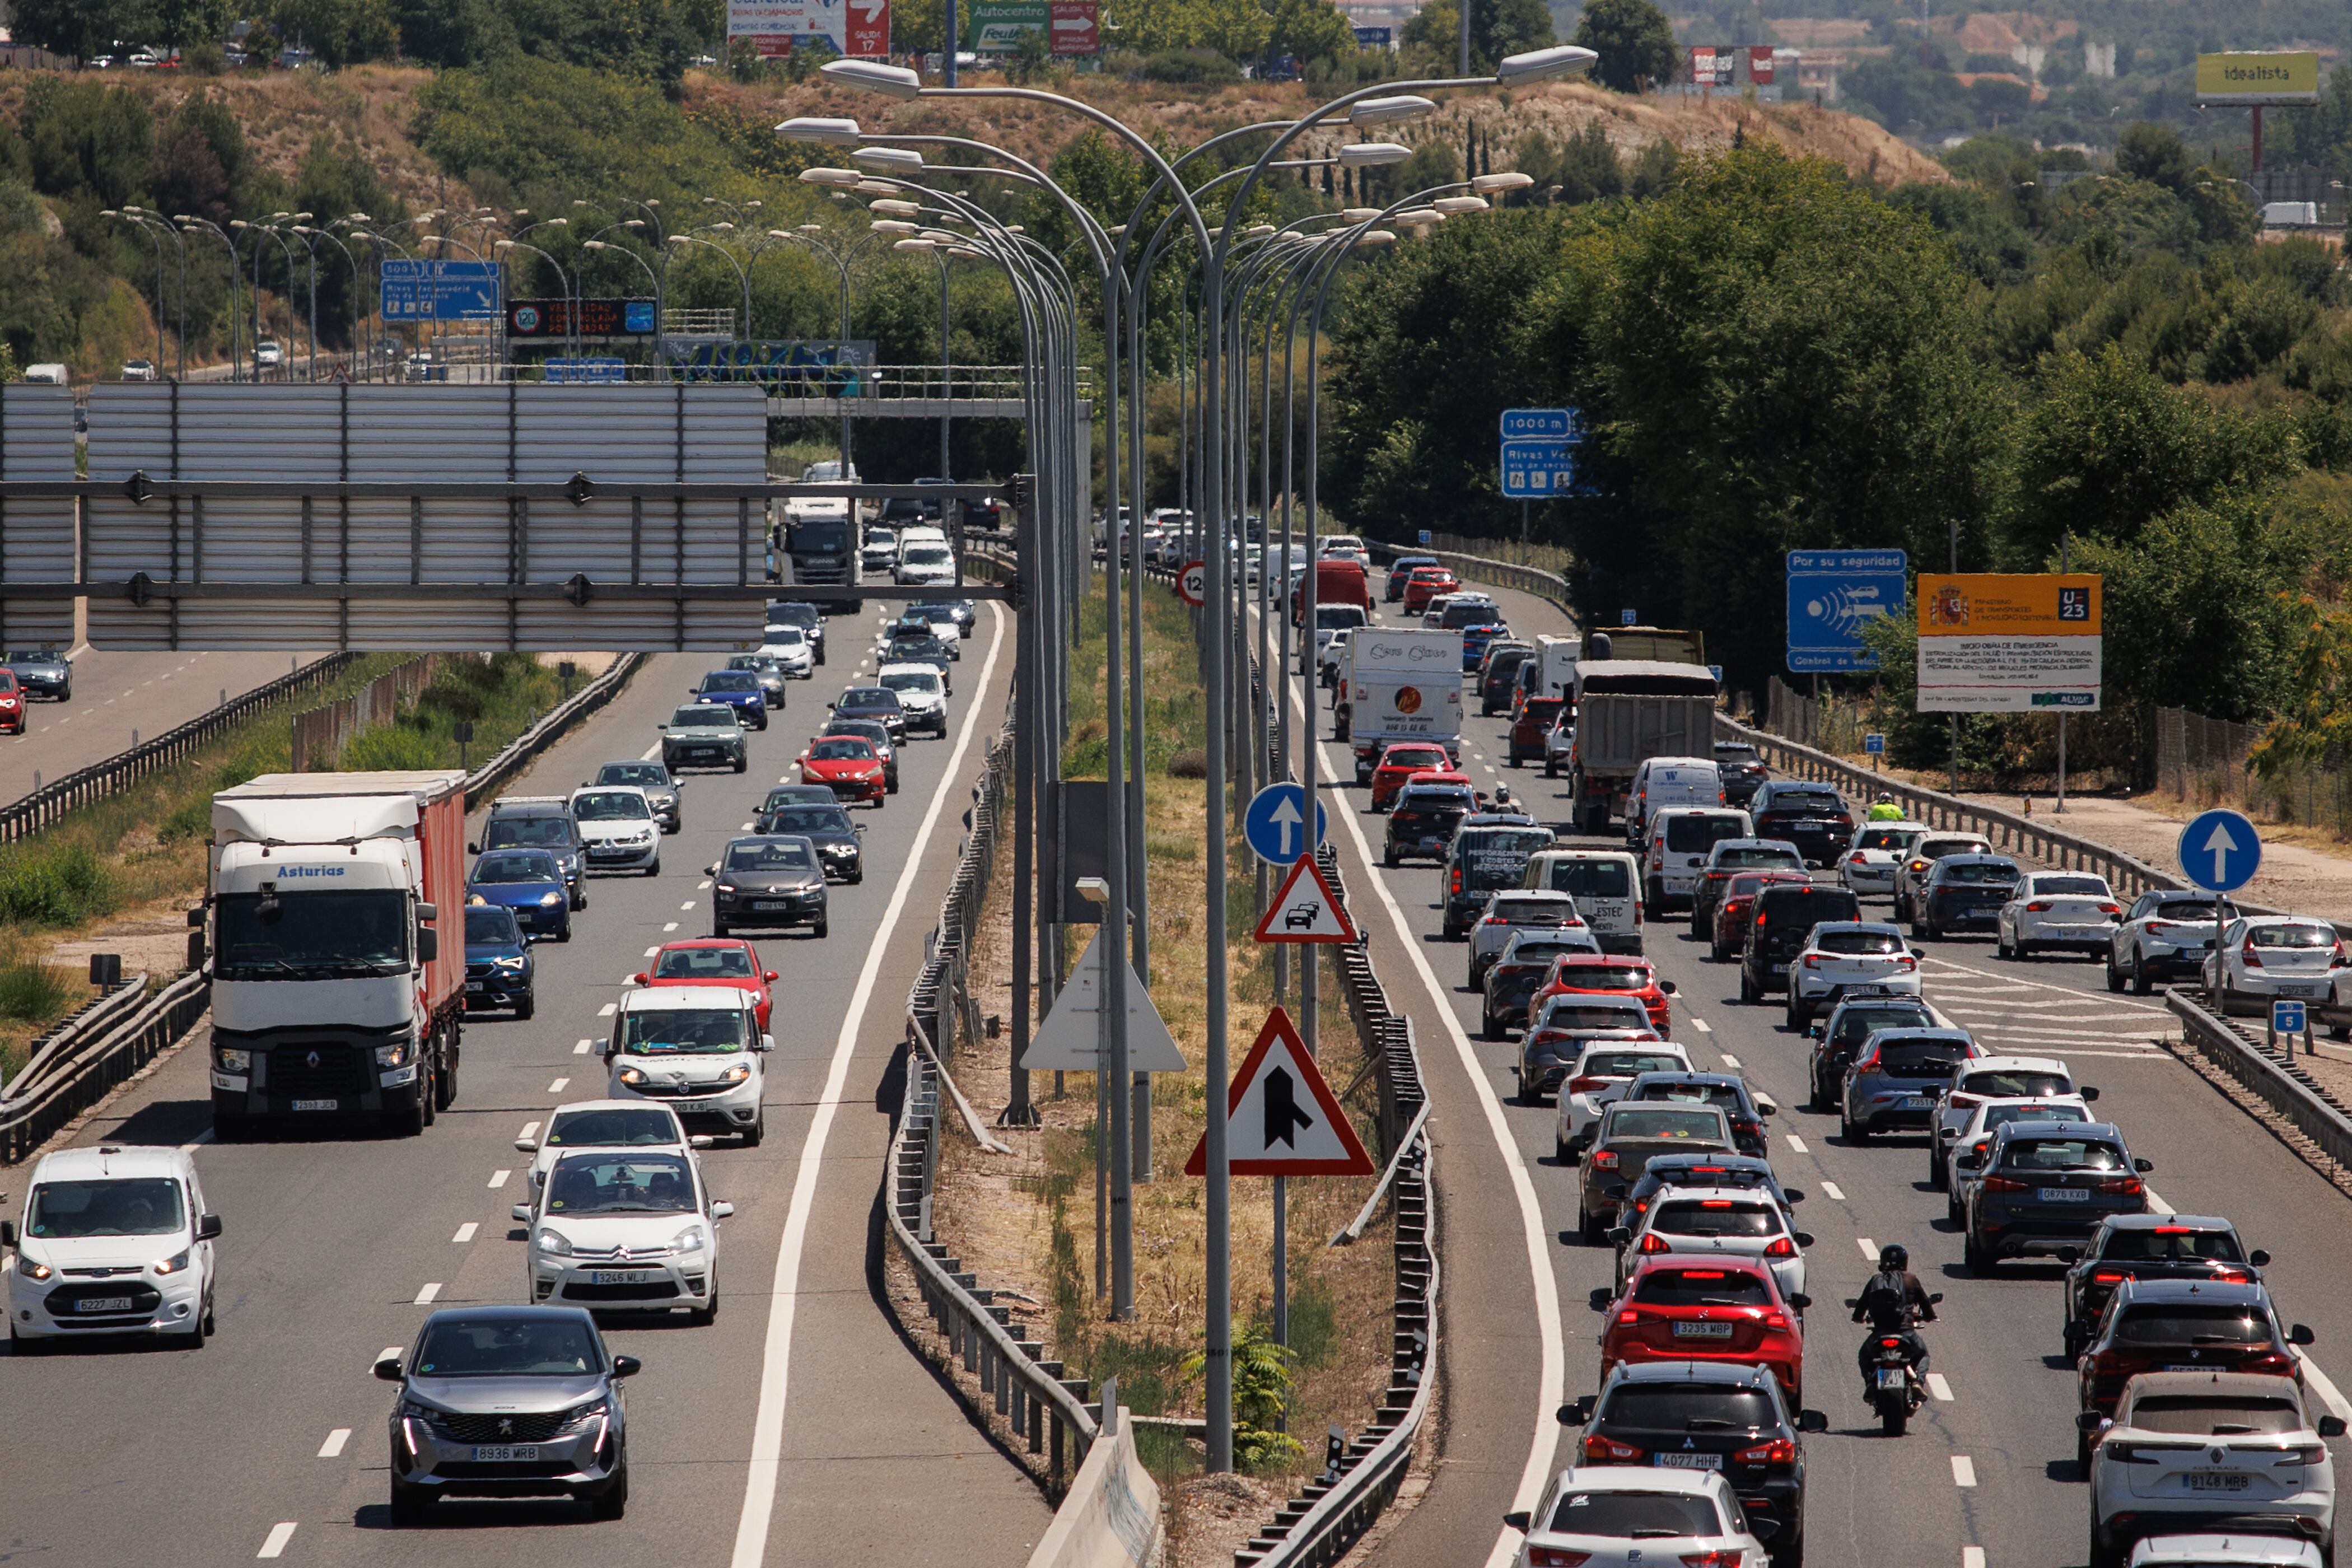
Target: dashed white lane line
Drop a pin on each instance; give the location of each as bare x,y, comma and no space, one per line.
583,1048
464,1232
1797,1143
389,1352
651,950
687,905
558,1085
1869,1247
333,1448
498,1179
1702,1026
1938,1387
608,1009
1964,1470
530,1129
425,1297
274,1543
1731,1061
669,927
701,885
1837,1194
1972,1557
2156,1204
192,1144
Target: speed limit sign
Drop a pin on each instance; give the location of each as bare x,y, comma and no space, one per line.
1192,583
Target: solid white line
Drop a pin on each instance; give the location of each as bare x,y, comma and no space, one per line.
333,1448
1869,1247
464,1234
558,1086
2156,1204
2336,1403
650,753
1837,1194
1964,1470
274,1543
776,1359
425,1297
1702,1026
498,1179
1938,1387
1796,1143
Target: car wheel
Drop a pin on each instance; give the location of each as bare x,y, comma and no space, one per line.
1978,1260
718,927
194,1339
409,1505
614,1500
1487,1028
741,764
1850,1129
1957,1215
565,934
703,1317
2141,983
580,895
1551,771
820,929
1748,992
1789,1556
1387,855
526,1007
757,1130
1596,1229
2114,975
891,788
2000,944
1935,1168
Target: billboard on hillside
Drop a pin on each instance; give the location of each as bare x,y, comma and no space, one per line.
2258,79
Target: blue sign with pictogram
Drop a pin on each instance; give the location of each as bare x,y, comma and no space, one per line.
431,291
1832,596
2219,851
1538,469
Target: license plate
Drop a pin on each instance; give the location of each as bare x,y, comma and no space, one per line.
474,987
768,904
1702,1330
1688,1461
2063,1195
619,1276
1779,969
1915,1102
314,1104
505,1453
2216,1481
2303,990
1890,1377
103,1304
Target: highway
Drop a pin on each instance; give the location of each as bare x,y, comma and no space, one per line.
1986,1478
117,696
797,1428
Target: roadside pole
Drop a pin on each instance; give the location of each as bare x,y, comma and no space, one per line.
2065,564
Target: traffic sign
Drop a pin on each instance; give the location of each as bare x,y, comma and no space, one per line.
1306,910
1282,1118
1070,1037
1627,618
1276,823
1426,536
435,291
1193,584
1874,744
2288,1017
1832,596
1537,468
1563,424
2219,851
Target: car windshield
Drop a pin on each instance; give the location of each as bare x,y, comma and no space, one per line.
1698,834
910,681
1683,1407
1724,1096
1735,753
355,935
2015,1083
120,1206
1859,943
613,1127
703,716
796,615
1642,1121
881,698
1977,873
682,1031
2295,936
870,731
841,749
2070,886
1702,1286
488,927
1631,1516
644,775
779,855
1525,954
1414,757
731,680
786,637
552,832
1329,617
1921,1059
515,867
1896,838
2210,1416
1760,857
809,819
2172,1244
509,1347
1588,879
1854,1024
611,806
1626,1064
1493,857
34,656
2200,910
1424,797
783,795
1716,1217
2061,1155
927,555
1603,977
753,662
620,1184
2003,1115
704,963
2171,1323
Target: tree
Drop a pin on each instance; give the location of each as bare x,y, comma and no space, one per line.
1635,43
1498,28
2146,151
81,28
1310,29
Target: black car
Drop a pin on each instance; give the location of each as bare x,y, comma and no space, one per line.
1499,676
920,647
772,880
499,971
1481,859
1812,816
1750,1172
918,622
1964,892
2046,1186
1422,823
1742,769
2148,1246
840,846
1785,915
875,732
1707,1414
959,612
540,822
877,702
782,796
807,616
42,672
1839,1036
665,794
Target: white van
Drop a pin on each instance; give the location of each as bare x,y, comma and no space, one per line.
1603,882
1663,781
696,1049
45,375
1680,839
920,534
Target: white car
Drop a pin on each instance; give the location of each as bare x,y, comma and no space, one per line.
1681,844
1559,742
269,353
791,648
1621,1516
1330,657
617,830
1598,1081
2239,1551
695,1049
116,1240
921,694
1722,1222
2164,935
601,1124
1964,1147
1991,1077
879,551
2270,956
1842,954
2186,1446
925,566
1875,854
1510,912
2074,911
631,1230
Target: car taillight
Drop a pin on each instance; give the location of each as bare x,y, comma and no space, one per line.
1725,1557
1907,964
1608,1450
1979,1146
1585,1084
2277,1364
1455,883
2336,958
2002,1184
2121,1187
1655,1244
1605,1159
2109,1277
2039,906
1629,1316
2308,1456
1555,1557
1781,1247
2111,909
1779,1451
1776,1320
2247,956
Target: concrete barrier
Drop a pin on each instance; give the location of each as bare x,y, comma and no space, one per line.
1110,1517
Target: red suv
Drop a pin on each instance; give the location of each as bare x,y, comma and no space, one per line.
1678,1306
1613,974
1400,763
1425,583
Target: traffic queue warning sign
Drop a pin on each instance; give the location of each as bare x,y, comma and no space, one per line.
1282,1118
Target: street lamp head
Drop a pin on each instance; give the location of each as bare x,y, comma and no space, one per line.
1257,231
1490,185
895,226
888,157
1418,217
678,239
107,211
1014,229
1094,890
893,206
1373,154
811,229
892,81
874,187
1360,215
363,217
633,223
596,245
829,177
1538,65
1373,239
305,218
722,228
942,237
558,222
815,128
1450,205
918,243
1387,110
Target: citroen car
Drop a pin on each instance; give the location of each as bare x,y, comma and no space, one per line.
617,828
922,693
632,1230
663,792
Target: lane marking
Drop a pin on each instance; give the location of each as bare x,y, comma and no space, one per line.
2156,1202
1731,1061
1797,1143
2011,981
274,1543
766,1468
666,927
464,1234
1972,1557
558,1086
608,1009
1702,1026
425,1297
745,828
701,885
387,1353
651,950
198,1141
1938,1387
498,1179
333,1448
687,905
1836,1194
582,1049
1964,1470
530,1129
1869,1247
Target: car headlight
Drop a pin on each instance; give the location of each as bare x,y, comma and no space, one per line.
728,888
175,1264
633,1077
229,1060
554,1243
32,1268
688,1240
392,1056
739,1073
410,1410
513,964
594,1410
550,898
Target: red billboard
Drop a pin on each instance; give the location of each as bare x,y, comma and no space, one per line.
1759,64
1075,27
867,29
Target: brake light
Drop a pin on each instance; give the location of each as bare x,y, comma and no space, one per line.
1456,883
2111,909
1812,961
1779,1451
1776,1320
1728,1557
2122,1187
1781,1247
2273,1362
1890,1344
2247,956
1907,964
1555,1557
2109,1277
1715,1203
2002,1184
2039,906
1608,1450
1605,1159
1586,1084
1655,1244
1629,1316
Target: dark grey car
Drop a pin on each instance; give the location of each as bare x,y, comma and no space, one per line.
840,849
665,793
875,702
1629,1137
770,672
509,1402
540,822
772,880
2046,1186
1897,1077
42,672
705,735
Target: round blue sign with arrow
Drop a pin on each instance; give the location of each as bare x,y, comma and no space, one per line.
2219,851
1275,824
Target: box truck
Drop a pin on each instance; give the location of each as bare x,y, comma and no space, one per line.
1627,711
1399,685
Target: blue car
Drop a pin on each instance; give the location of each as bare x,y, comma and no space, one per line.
739,690
1474,640
498,968
529,883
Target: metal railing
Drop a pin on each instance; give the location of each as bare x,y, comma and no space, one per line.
487,780
32,813
1487,569
2269,1075
78,1062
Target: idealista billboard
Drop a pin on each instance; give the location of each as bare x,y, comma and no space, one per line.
2258,79
2009,642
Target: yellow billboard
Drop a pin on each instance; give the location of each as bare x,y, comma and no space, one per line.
2009,642
2258,79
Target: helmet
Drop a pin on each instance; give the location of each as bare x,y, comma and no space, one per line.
1894,1259
1502,795
1885,798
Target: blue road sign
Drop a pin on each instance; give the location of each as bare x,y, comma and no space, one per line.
1832,594
2288,1017
441,290
1544,424
1537,468
1276,823
1874,744
1628,618
2219,851
1425,536
1716,671
598,369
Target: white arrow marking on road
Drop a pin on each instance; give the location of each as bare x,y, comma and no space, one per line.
1285,817
2221,842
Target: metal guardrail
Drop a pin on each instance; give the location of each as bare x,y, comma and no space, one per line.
2270,1076
81,1059
1486,569
30,813
486,780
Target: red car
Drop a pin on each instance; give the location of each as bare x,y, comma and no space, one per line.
847,766
1425,583
1400,763
1678,1306
1529,727
1612,974
1730,932
12,703
712,961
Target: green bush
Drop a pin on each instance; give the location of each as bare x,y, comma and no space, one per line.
34,992
1197,67
53,884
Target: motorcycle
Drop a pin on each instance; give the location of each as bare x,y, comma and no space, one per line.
1896,1389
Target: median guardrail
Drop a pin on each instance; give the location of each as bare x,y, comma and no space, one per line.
491,776
1487,569
2268,1073
30,813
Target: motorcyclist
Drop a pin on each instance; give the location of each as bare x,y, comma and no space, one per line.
1893,1301
1883,809
1502,801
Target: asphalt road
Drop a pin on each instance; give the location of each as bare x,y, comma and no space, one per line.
1985,1477
797,1428
117,695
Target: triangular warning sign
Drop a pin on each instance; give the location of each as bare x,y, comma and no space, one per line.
1307,909
1282,1118
1068,1039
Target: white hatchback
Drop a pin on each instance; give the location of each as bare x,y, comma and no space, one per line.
625,1230
600,1124
1875,854
790,646
1598,1081
921,692
2073,911
116,1240
2270,956
1993,1078
695,1049
1841,956
617,830
1621,1516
